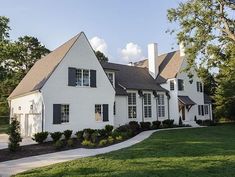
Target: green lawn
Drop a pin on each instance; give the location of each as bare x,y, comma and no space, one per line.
4,123
201,152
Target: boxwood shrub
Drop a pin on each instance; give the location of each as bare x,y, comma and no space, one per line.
145,125
56,136
40,137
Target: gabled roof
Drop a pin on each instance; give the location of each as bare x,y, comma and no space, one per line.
131,77
42,69
169,65
185,100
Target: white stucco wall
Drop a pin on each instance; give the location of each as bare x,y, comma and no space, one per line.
20,108
81,100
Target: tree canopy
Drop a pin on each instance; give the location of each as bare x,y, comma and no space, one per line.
101,57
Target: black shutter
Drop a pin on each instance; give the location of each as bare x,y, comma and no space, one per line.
105,112
202,109
198,86
56,113
72,77
93,78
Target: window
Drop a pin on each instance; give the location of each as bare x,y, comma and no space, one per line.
111,77
64,113
19,108
131,105
161,106
206,109
82,77
201,110
31,107
172,86
98,112
199,86
147,105
180,84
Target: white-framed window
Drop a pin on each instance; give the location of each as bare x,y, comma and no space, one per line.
132,105
83,77
161,105
180,84
64,113
199,87
172,85
147,105
98,112
206,109
110,76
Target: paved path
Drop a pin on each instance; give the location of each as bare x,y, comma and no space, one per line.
4,141
9,168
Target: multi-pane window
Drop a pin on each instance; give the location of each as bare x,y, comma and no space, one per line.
64,113
199,86
98,112
180,84
206,109
82,77
131,105
172,86
111,77
161,106
147,105
201,110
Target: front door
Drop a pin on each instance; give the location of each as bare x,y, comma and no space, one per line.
183,112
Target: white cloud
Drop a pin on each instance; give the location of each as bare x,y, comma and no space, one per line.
132,52
99,44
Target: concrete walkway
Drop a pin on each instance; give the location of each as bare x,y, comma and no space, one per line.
4,141
9,168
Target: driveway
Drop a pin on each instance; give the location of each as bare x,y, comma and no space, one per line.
4,141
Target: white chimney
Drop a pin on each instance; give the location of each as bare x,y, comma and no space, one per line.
182,49
153,60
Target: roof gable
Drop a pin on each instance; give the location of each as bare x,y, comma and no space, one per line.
42,69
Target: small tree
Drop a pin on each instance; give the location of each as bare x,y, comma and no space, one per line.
14,135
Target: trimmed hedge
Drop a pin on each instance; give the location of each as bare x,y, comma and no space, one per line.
40,137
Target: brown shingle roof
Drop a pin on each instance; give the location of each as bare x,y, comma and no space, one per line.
42,69
169,66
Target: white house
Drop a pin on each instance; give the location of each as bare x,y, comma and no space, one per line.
70,89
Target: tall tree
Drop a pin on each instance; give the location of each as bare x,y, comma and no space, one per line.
16,58
101,57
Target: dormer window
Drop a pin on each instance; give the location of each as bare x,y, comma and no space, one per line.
180,84
110,75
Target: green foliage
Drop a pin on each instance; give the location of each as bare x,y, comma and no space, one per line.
87,143
58,144
70,143
168,123
87,133
110,140
14,135
145,125
94,137
56,136
156,124
103,142
135,127
118,138
109,129
4,28
79,135
101,57
68,134
40,137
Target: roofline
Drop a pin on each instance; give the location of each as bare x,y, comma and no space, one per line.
23,94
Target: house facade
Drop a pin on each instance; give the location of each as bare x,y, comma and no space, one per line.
70,89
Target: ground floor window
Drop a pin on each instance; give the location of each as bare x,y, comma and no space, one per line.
64,113
98,112
147,105
201,110
132,105
206,109
161,105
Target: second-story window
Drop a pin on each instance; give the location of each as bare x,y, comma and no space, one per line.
180,84
82,77
111,77
199,87
172,86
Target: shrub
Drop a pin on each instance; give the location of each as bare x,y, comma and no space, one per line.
109,129
58,144
40,137
118,138
68,134
208,122
156,124
70,142
14,135
135,127
145,125
115,134
102,133
94,137
110,139
123,128
79,135
199,122
126,135
87,133
168,123
56,136
103,142
88,143
180,121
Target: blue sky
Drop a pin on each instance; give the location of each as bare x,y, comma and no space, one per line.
120,28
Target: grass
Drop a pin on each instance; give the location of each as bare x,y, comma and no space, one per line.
4,124
204,152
